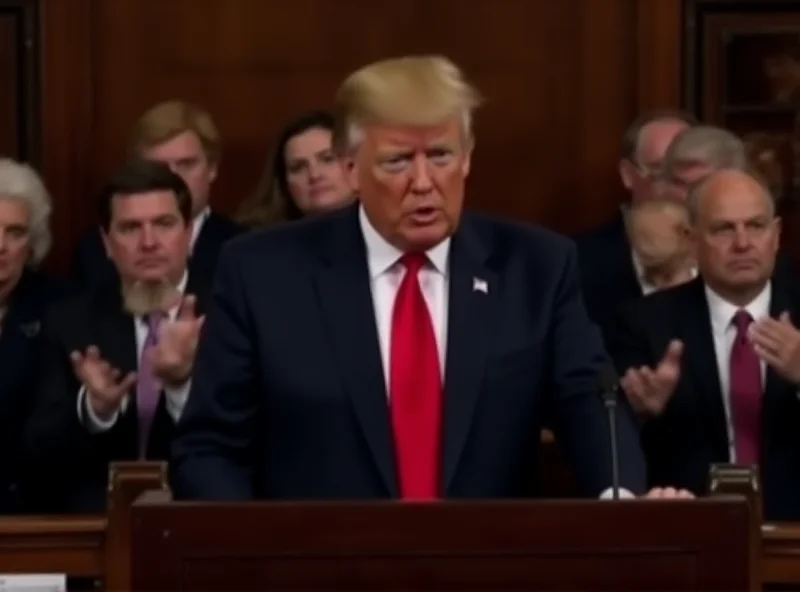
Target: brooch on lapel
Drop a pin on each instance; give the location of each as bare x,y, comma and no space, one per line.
30,329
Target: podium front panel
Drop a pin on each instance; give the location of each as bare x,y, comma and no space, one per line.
466,546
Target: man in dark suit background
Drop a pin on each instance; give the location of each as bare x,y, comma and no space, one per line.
713,366
117,360
184,137
25,293
609,274
397,348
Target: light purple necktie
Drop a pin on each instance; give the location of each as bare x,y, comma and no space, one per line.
148,387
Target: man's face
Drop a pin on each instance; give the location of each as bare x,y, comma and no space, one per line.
411,181
640,175
15,245
676,185
736,235
184,154
147,238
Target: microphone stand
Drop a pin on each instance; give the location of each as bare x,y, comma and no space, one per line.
610,403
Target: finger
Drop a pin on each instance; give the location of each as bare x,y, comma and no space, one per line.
93,352
653,381
770,357
673,353
669,492
655,493
126,383
114,375
772,328
766,339
633,383
76,358
685,494
186,310
785,318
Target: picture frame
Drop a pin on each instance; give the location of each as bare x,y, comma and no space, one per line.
742,72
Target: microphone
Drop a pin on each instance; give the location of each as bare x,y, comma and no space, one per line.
608,382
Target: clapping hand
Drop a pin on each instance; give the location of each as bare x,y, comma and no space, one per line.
649,389
104,387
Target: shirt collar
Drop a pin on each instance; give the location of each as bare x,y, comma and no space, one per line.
197,225
382,256
722,311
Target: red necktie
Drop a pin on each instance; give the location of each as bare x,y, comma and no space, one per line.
415,387
746,393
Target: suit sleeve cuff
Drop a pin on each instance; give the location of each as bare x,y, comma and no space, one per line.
176,398
608,494
88,417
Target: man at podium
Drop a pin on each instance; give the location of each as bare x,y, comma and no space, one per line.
399,348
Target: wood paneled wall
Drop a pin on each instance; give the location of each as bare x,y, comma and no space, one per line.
562,79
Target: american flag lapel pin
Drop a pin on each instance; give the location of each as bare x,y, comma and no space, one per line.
479,285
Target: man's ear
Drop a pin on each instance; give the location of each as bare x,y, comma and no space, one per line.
626,173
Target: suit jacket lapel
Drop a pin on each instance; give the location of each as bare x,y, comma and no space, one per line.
775,387
629,281
19,333
472,300
115,331
700,358
345,298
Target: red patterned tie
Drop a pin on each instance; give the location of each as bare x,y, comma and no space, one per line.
746,393
415,388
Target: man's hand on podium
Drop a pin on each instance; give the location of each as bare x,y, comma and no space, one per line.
668,493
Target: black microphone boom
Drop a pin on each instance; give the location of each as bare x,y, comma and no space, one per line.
608,382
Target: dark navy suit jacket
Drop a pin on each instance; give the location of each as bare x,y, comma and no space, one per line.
691,434
66,464
20,344
608,277
289,398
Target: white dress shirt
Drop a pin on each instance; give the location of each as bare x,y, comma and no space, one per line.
197,226
641,278
175,397
724,332
386,273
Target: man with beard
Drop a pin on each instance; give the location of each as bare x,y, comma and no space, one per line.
117,361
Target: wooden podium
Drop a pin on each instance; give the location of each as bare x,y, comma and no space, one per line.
466,546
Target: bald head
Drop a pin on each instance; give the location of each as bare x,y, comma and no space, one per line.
735,233
727,185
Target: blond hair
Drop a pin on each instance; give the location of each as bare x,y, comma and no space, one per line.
21,183
169,119
411,90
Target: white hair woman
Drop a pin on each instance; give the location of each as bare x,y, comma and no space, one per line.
25,292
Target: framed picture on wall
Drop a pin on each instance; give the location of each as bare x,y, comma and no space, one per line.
742,72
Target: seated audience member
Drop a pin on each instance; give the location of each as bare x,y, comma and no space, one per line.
184,137
712,365
334,382
25,292
303,176
696,153
117,361
610,272
659,235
